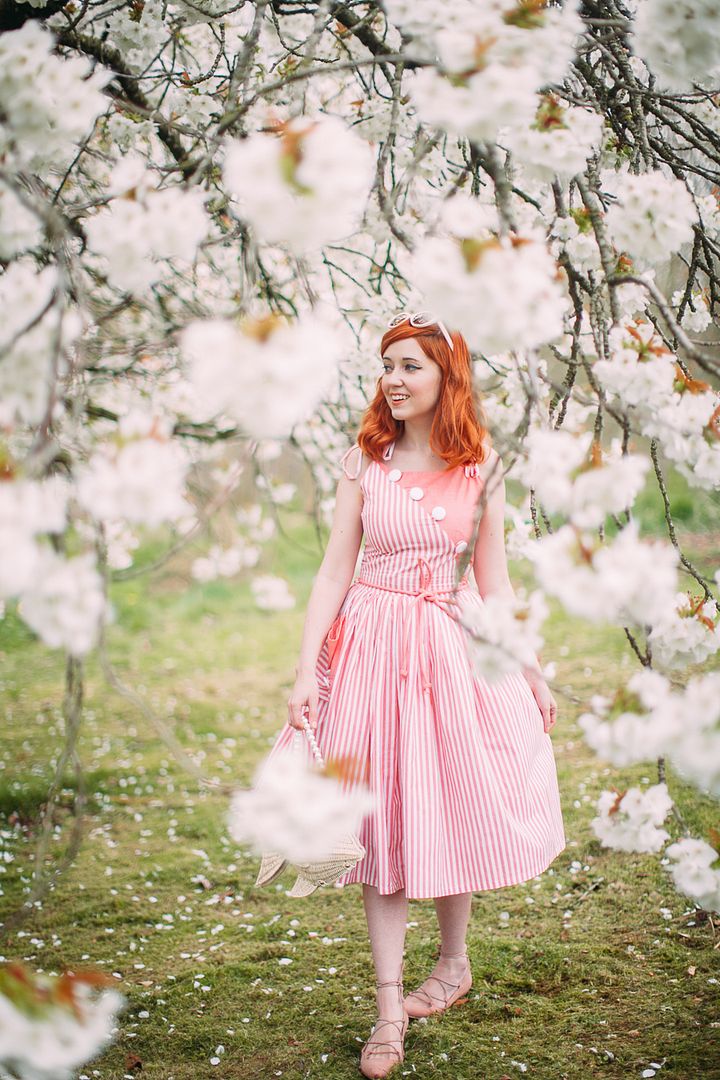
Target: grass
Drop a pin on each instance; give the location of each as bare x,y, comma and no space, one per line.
597,968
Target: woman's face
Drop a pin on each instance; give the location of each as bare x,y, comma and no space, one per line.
412,378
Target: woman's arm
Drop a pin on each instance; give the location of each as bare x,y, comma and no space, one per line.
328,592
491,570
335,573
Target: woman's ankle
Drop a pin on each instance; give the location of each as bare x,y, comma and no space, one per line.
455,957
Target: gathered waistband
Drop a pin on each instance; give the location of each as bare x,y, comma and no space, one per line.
434,596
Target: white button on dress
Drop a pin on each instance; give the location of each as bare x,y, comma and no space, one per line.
438,512
416,493
460,546
394,474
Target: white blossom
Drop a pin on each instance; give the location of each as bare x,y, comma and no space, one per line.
653,215
632,726
144,228
679,40
265,373
688,634
503,631
295,809
494,57
558,142
624,580
571,477
272,593
475,106
140,479
649,719
65,605
53,1041
479,283
696,316
224,562
28,509
304,185
631,820
693,872
19,227
47,103
34,336
640,370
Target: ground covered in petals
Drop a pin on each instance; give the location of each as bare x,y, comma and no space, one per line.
597,968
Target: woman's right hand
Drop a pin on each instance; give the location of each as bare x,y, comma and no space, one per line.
303,699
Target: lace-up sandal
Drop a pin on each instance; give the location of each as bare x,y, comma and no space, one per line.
378,1058
436,994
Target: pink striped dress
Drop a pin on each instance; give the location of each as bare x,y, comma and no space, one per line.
464,777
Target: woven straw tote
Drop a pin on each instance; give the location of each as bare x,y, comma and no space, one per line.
343,856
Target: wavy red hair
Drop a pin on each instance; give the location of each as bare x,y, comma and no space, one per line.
459,433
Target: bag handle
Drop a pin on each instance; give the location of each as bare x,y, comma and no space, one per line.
312,740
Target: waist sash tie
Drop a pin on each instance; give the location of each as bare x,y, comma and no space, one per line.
433,596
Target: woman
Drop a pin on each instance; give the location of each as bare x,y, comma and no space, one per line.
462,770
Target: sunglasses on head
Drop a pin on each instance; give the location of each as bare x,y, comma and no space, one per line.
421,319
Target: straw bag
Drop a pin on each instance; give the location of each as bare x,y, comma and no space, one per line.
344,855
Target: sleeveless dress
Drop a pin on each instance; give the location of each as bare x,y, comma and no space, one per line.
462,771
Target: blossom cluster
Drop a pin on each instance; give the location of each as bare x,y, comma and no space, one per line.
303,183
52,1025
632,820
296,810
503,632
664,402
48,104
679,40
494,58
479,281
649,719
266,373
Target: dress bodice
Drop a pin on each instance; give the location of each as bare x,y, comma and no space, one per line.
410,517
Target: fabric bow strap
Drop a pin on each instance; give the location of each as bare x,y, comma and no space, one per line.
417,607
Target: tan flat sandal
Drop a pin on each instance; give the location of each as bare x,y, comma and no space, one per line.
422,1002
386,1048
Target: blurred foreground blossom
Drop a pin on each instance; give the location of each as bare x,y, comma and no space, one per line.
571,477
479,281
505,632
649,719
265,372
296,810
304,183
629,579
51,1025
680,41
65,605
138,478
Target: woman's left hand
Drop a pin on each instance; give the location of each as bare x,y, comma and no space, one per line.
546,701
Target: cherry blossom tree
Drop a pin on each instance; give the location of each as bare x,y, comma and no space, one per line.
208,212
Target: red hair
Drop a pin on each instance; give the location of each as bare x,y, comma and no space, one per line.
459,434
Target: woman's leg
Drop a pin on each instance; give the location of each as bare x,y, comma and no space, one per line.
451,977
387,921
453,915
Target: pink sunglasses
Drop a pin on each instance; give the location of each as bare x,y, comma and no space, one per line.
421,319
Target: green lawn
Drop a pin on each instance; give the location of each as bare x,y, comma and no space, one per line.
597,969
